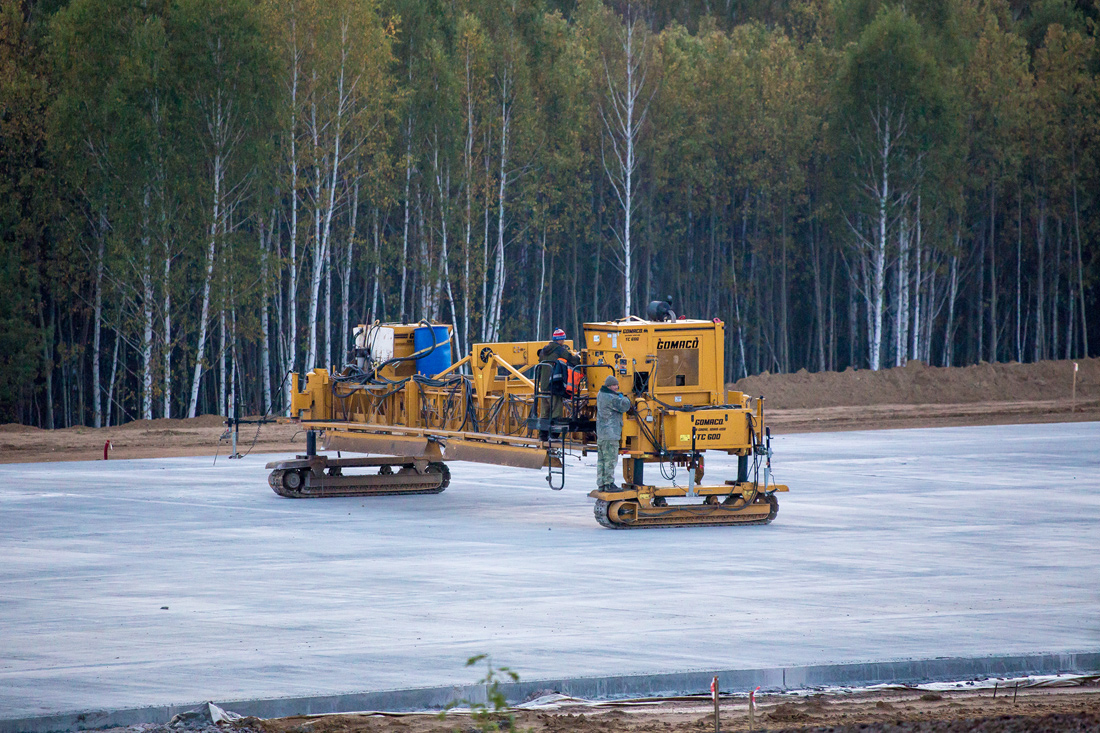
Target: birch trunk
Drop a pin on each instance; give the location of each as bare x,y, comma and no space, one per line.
993,346
499,270
819,299
485,241
147,314
101,243
265,317
1040,241
878,275
443,185
349,256
623,123
327,360
114,371
377,269
468,169
542,286
901,315
222,386
918,285
1019,272
325,198
166,355
405,230
47,360
1080,270
204,317
291,347
949,330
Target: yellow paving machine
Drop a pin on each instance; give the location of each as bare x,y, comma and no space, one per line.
409,408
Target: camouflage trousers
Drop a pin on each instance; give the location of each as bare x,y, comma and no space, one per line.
605,464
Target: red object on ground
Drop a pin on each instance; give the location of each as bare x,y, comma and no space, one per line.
106,447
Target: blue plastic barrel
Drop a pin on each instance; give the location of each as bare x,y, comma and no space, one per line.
439,358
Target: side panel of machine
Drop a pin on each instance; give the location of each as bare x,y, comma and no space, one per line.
721,429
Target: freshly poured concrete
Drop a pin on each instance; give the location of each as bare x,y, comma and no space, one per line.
909,544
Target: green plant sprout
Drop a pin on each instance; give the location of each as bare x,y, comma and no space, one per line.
494,714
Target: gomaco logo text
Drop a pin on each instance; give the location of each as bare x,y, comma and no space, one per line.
681,344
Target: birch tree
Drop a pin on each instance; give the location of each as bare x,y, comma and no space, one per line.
892,103
224,65
346,104
623,111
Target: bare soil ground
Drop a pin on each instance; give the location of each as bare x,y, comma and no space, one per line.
1039,709
921,396
912,396
200,436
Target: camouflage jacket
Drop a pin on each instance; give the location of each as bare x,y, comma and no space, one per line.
610,407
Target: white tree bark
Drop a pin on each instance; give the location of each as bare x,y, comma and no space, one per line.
146,313
204,317
993,330
114,372
542,285
345,321
949,330
1040,281
499,269
327,176
327,360
485,241
425,264
166,312
377,268
901,314
623,115
265,308
223,405
468,167
918,281
1019,274
405,230
291,348
101,243
223,133
879,258
885,197
443,185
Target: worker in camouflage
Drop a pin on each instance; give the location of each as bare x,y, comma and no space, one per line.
550,405
610,406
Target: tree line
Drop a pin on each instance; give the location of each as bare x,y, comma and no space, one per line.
199,196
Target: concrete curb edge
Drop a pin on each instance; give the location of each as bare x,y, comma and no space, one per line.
642,685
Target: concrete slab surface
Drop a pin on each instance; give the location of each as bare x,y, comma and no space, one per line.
892,545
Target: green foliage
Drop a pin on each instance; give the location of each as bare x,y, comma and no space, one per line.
120,118
493,715
24,205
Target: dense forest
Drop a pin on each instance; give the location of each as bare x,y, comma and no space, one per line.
201,195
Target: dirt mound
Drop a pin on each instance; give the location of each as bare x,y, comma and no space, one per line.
787,713
917,384
14,427
163,423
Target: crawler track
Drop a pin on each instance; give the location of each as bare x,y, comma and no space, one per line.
303,484
708,515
